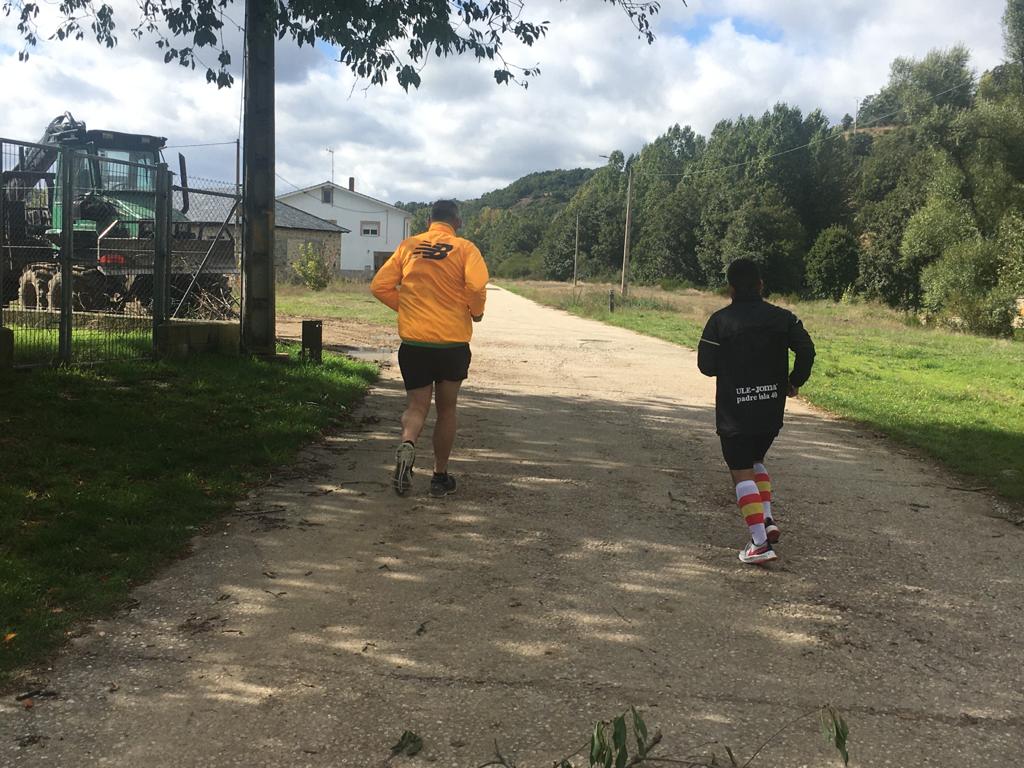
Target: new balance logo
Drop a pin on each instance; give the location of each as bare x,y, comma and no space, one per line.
432,251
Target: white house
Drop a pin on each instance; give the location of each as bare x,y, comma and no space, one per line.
376,227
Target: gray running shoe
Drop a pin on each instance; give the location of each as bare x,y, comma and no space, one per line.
442,485
405,457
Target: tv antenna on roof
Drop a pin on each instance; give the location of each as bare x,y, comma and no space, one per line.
332,163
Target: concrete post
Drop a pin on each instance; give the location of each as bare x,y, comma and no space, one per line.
258,156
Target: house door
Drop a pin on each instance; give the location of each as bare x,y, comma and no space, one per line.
379,257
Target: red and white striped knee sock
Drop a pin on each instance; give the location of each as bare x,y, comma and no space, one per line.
764,485
748,497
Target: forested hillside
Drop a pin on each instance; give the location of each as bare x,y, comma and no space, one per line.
508,224
919,203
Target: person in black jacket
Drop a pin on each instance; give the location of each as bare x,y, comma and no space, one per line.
746,347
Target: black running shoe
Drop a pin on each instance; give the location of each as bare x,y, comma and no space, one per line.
442,485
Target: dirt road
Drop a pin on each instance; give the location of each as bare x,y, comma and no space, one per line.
588,563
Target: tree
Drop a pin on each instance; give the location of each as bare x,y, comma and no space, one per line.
961,290
1011,254
847,122
376,38
768,231
944,220
832,263
1013,31
943,78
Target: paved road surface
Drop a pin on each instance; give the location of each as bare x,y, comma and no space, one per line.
588,563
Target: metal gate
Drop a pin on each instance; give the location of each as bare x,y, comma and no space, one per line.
96,250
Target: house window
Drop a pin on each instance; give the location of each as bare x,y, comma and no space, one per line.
369,228
327,195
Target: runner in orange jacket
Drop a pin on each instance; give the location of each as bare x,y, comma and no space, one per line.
437,282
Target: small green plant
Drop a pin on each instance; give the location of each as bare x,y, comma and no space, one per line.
408,744
610,745
312,266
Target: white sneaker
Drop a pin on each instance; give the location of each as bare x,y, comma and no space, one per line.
405,457
772,530
757,555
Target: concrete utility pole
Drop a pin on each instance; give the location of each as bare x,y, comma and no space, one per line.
576,252
258,304
629,227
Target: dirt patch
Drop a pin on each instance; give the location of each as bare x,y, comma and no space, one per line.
342,335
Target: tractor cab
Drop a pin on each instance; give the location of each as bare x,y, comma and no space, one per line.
114,181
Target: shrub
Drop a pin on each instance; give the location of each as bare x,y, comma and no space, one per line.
312,267
521,266
832,263
675,284
938,225
961,291
1011,253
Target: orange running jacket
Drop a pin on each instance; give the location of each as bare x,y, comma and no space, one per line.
443,281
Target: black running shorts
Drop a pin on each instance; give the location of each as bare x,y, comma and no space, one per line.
743,451
423,366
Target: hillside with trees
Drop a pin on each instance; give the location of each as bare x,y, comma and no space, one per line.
919,203
509,223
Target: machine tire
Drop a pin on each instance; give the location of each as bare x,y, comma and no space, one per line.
91,291
33,289
53,294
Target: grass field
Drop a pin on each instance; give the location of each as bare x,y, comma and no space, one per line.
108,471
339,300
41,345
955,397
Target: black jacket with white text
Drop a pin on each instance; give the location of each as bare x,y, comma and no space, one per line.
746,346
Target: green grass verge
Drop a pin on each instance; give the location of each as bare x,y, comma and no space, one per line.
108,471
42,345
955,397
344,300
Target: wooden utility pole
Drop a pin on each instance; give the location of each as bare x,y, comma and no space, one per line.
576,253
629,227
258,301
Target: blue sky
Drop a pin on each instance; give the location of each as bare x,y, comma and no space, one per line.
700,28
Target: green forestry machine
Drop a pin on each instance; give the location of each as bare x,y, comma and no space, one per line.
114,216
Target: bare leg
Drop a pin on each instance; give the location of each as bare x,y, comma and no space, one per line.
416,409
445,399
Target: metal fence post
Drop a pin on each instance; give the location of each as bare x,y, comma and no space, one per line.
67,245
161,247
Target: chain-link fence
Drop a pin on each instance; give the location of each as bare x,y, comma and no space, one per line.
29,257
206,250
98,247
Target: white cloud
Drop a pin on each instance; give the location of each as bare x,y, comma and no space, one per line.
461,134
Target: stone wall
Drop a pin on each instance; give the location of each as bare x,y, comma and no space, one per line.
287,245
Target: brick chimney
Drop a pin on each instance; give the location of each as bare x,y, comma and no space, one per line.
351,183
